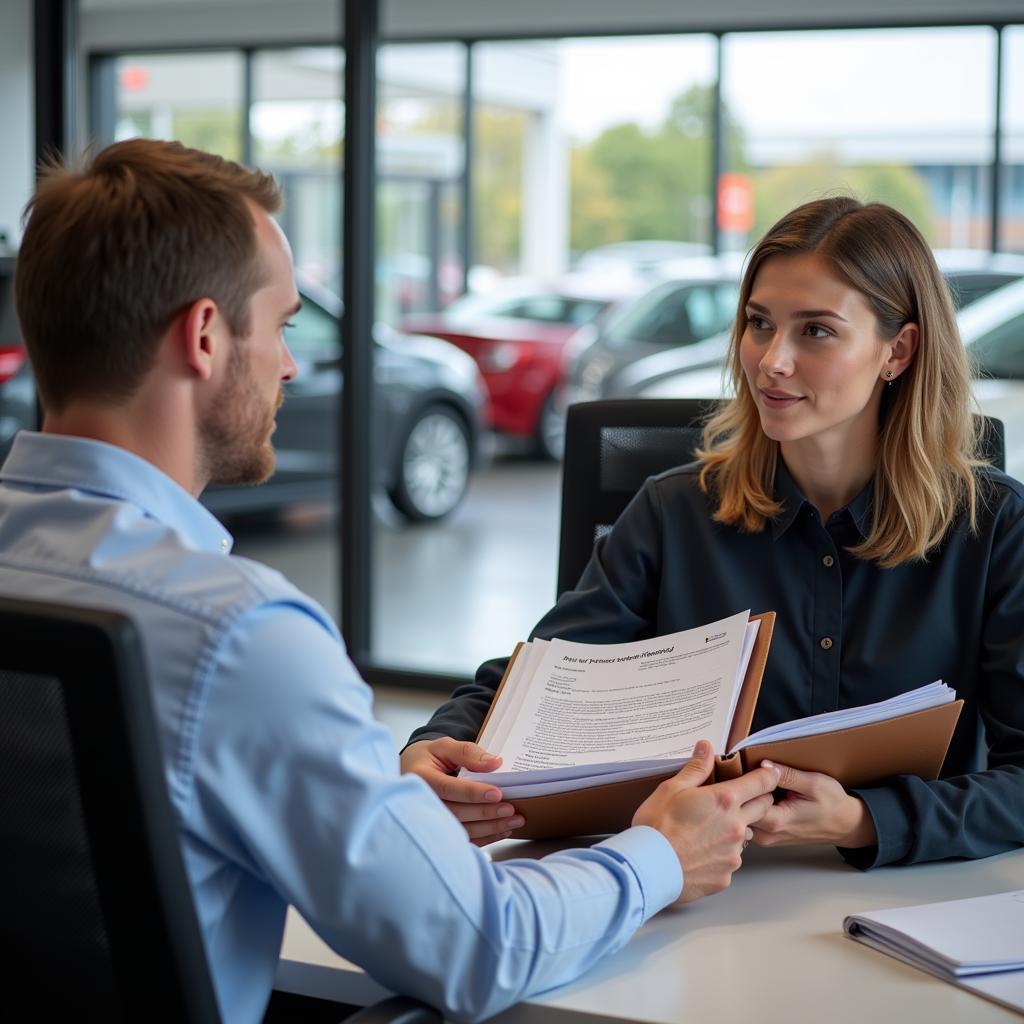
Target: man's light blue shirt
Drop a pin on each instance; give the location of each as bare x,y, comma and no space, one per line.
285,788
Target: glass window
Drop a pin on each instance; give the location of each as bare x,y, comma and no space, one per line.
420,157
872,112
195,98
585,144
429,418
296,124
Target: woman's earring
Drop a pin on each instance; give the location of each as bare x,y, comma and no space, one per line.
888,377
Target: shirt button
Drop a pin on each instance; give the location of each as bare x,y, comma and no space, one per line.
828,561
224,544
826,643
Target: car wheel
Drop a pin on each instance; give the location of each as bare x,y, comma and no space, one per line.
550,437
434,465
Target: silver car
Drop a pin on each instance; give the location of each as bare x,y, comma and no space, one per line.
992,328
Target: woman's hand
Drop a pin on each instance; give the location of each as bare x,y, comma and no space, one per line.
815,810
476,804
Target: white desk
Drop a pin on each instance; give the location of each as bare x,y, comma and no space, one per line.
770,949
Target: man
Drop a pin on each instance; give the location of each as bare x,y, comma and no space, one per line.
154,289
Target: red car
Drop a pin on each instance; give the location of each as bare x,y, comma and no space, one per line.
517,336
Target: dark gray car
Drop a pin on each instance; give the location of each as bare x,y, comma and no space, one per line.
685,315
428,402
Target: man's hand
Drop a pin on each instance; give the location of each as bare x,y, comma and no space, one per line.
708,826
476,804
815,810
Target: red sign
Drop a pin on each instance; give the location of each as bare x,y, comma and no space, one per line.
735,203
134,78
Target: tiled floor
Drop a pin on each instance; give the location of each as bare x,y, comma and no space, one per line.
447,596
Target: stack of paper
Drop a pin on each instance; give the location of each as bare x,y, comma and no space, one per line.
976,943
571,715
932,695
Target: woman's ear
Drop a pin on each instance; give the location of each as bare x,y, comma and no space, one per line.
901,352
199,337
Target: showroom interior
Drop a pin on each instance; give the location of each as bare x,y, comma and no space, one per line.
442,154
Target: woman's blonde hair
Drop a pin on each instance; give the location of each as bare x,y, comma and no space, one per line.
928,441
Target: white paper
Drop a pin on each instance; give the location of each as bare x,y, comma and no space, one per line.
542,782
493,738
567,704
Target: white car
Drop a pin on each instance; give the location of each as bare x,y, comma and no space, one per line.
992,328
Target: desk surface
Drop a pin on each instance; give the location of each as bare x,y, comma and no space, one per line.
770,948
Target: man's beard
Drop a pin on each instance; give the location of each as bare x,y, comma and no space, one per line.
235,436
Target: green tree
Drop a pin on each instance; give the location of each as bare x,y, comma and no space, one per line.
656,182
596,214
217,131
498,186
779,189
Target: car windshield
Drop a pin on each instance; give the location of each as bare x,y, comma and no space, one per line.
547,307
313,334
966,288
675,313
1000,352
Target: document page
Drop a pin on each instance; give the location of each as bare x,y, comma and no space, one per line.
590,704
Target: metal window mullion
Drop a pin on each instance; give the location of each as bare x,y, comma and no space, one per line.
717,142
102,99
55,50
997,146
247,101
466,181
55,73
358,211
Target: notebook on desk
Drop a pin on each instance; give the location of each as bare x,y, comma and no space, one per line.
977,944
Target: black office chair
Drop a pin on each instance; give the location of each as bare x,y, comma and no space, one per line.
612,447
96,914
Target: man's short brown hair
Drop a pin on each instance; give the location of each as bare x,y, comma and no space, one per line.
113,251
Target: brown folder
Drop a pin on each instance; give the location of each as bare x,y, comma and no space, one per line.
610,808
913,744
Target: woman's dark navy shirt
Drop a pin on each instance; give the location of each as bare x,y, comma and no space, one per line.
847,632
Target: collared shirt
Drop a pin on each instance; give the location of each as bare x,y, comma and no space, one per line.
847,632
285,788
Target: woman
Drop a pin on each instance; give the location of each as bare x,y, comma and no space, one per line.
841,488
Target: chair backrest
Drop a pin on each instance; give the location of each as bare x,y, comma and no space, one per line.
612,447
97,911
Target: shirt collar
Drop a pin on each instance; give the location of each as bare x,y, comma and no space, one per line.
59,461
789,496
